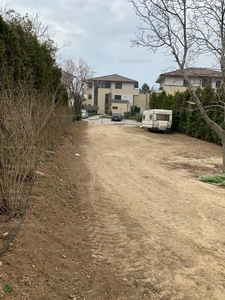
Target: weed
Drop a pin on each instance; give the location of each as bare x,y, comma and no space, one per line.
8,288
58,177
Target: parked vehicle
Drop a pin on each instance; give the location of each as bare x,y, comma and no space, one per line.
157,120
84,114
116,117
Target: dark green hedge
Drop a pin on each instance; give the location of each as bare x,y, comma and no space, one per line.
186,116
24,55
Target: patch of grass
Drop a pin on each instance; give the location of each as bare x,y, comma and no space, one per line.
58,177
8,288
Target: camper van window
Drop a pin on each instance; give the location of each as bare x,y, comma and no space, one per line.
161,117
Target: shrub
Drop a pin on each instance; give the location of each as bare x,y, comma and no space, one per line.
138,117
30,124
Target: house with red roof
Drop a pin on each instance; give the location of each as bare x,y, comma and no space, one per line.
171,82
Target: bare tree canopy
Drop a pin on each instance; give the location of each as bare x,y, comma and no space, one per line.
76,77
186,29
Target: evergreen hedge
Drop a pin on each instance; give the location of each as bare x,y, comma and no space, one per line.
186,116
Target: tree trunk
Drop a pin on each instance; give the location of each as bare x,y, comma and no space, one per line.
77,108
216,128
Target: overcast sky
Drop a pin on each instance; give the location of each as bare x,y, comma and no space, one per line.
99,31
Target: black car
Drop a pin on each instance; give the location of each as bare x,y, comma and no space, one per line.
116,117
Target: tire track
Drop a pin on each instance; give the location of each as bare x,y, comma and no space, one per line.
142,221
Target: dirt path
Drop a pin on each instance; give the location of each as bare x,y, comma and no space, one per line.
129,221
160,228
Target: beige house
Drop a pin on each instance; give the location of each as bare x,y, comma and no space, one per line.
142,101
112,93
171,82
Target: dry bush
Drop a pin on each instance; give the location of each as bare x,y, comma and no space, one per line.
52,133
29,125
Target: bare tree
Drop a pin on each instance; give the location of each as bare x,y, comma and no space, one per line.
76,77
186,29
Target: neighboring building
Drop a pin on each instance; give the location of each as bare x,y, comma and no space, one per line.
112,93
142,101
171,82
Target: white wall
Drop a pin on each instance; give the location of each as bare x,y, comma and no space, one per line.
125,86
180,82
174,81
196,82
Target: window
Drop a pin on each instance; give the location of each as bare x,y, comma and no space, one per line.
118,97
114,107
218,83
205,82
89,96
118,85
106,85
161,117
145,117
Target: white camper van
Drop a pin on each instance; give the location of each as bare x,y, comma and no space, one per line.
157,120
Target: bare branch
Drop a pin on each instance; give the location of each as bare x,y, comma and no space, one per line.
186,29
76,77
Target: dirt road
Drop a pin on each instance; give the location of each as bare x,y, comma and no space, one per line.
143,226
161,230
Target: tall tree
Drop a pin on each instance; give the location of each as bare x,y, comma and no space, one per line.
145,89
186,29
25,48
76,76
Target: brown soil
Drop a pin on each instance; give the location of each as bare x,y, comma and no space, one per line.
120,214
